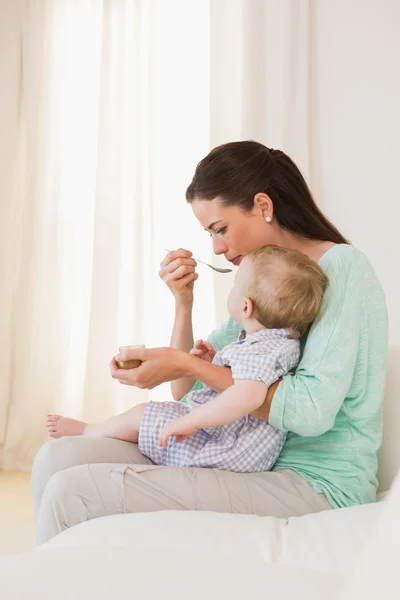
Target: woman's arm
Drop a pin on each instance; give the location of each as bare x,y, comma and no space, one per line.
216,377
182,339
307,403
178,272
199,372
167,364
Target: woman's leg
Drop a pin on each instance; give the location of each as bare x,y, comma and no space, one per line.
94,490
68,452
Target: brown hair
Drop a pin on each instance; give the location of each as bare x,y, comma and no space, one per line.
286,287
237,171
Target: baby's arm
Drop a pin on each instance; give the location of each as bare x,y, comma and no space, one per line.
236,402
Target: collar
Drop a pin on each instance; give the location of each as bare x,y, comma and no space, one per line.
263,335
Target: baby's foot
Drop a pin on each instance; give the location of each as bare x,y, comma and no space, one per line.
58,426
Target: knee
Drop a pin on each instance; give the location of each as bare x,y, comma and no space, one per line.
59,486
48,452
54,456
58,510
51,458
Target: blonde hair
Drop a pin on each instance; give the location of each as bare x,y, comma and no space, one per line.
286,288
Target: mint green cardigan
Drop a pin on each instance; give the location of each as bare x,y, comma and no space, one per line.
332,406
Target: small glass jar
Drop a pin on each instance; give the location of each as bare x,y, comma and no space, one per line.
129,364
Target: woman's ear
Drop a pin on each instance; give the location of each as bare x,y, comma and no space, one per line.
247,308
263,206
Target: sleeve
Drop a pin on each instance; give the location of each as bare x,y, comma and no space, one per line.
307,402
252,362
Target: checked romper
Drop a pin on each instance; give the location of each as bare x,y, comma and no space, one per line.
247,445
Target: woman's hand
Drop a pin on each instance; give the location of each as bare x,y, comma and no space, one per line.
203,350
158,366
178,272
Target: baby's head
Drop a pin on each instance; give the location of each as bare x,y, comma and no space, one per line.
277,289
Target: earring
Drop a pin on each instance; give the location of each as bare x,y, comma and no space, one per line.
268,219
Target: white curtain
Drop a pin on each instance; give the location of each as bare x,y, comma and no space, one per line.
110,116
106,107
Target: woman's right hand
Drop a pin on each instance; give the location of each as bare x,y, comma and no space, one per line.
178,272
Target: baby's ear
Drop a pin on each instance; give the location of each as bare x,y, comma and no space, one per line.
248,308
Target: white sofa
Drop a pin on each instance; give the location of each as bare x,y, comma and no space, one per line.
220,555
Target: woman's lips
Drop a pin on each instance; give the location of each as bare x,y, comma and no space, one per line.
236,261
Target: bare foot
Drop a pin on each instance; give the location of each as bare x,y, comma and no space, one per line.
58,426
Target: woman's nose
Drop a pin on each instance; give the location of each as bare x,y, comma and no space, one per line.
219,246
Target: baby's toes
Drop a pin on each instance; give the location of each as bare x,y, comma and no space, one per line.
52,418
52,423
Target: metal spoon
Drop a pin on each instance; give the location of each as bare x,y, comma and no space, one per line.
211,266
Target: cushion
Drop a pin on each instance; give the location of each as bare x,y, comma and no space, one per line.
389,454
375,574
125,573
330,541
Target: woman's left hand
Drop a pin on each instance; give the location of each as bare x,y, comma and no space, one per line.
159,365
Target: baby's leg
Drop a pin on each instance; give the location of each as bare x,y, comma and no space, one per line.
123,427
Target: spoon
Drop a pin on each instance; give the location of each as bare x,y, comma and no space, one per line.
211,266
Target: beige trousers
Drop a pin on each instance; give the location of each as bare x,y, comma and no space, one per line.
75,479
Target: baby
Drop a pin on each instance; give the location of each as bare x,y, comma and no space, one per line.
276,296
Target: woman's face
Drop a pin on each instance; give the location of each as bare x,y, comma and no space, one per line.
235,233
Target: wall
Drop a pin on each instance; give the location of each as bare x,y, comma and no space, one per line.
343,130
358,125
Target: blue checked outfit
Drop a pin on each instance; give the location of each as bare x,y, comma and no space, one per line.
245,446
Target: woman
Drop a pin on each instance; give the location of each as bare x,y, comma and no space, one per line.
246,196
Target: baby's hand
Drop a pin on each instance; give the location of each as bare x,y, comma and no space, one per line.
180,428
203,350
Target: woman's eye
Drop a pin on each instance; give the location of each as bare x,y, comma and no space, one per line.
220,231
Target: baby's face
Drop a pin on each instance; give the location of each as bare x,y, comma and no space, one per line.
240,290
